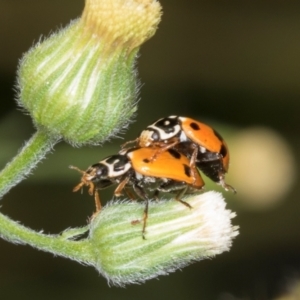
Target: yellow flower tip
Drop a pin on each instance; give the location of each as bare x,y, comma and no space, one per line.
122,22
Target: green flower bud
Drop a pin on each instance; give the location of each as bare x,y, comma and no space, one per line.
80,83
175,237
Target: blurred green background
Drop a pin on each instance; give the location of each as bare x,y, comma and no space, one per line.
232,64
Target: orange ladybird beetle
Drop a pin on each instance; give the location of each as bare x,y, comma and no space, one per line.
192,138
170,172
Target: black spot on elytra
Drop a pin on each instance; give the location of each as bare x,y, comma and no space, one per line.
146,160
223,150
218,135
174,153
187,170
195,126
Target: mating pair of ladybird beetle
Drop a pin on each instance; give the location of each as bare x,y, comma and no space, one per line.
166,157
204,146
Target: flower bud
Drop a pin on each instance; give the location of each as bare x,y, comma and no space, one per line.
80,83
175,235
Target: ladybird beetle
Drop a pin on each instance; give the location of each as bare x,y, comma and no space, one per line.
192,138
170,172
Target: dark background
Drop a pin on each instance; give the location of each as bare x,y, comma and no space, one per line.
234,64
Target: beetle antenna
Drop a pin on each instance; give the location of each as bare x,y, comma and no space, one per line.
77,169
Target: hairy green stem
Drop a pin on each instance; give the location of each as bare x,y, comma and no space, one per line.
28,157
56,244
15,171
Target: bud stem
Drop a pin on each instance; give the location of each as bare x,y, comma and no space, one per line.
56,244
28,157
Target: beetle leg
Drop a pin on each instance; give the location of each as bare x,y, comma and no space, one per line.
193,163
141,193
155,195
163,147
78,186
121,186
129,194
83,180
145,218
179,195
97,201
97,204
91,189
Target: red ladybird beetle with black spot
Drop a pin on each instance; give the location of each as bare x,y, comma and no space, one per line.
170,172
192,138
